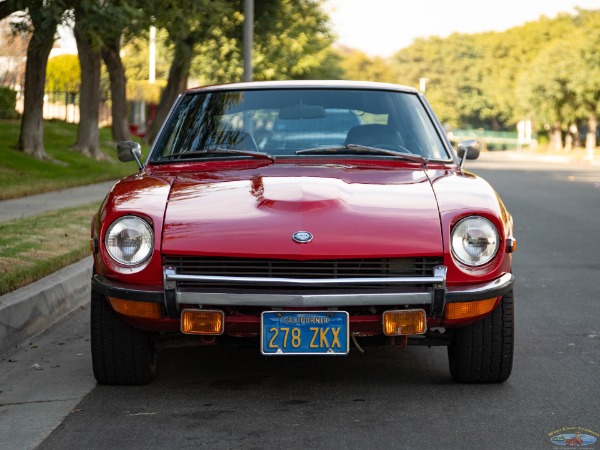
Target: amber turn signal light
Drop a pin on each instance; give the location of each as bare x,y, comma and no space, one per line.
404,322
467,310
145,310
511,245
201,321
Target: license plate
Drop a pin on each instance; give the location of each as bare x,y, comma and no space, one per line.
304,333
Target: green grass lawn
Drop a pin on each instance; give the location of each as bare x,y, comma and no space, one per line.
37,246
22,175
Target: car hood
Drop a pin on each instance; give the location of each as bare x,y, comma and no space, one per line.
373,213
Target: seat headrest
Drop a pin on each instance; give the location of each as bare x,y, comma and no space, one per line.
372,134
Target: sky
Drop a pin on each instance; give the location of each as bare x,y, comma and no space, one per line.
382,27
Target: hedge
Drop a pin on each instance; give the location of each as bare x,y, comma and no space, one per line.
8,103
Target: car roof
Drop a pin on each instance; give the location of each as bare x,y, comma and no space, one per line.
305,84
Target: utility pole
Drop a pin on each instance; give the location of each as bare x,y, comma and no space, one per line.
248,38
152,57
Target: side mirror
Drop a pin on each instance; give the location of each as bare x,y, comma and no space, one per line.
468,150
130,151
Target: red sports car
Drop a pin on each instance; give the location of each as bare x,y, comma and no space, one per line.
308,218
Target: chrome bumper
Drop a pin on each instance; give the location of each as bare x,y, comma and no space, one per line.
406,291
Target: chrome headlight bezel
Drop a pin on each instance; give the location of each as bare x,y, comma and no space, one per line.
474,241
129,241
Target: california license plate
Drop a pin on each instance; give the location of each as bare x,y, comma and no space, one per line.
304,333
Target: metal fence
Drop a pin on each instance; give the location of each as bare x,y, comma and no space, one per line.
65,106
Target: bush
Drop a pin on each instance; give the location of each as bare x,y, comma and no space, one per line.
8,103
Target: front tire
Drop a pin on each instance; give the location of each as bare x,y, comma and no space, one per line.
121,354
483,352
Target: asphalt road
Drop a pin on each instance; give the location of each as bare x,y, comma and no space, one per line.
233,398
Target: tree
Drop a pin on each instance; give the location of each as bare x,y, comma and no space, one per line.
292,41
136,51
63,74
567,91
585,73
187,22
432,59
547,92
44,16
123,15
508,57
111,55
98,42
87,32
8,7
357,65
473,78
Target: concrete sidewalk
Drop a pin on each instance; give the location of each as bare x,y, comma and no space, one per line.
19,208
33,309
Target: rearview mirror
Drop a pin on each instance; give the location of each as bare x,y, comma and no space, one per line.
129,151
298,112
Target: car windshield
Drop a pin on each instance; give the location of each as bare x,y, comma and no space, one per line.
283,122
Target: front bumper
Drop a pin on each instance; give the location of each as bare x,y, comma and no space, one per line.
402,291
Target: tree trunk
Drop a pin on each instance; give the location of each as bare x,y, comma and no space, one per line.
555,138
8,7
112,58
89,99
568,142
590,139
178,76
31,138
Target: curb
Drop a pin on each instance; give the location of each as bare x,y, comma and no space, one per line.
32,309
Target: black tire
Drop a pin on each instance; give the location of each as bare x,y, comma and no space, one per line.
483,352
121,354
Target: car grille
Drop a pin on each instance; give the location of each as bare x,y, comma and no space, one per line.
280,268
344,269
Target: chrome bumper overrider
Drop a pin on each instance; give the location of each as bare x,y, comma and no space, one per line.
403,291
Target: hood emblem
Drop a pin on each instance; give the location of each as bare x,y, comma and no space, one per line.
302,237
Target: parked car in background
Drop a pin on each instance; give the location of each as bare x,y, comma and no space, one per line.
311,218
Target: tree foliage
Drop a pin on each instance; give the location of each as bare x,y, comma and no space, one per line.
292,41
357,65
63,74
547,70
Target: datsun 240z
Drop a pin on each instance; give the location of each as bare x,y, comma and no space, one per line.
351,222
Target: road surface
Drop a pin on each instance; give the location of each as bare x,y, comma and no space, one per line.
230,398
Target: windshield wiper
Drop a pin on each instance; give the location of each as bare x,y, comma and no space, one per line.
222,151
355,149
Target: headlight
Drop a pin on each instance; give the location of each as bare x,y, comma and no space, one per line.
129,240
474,241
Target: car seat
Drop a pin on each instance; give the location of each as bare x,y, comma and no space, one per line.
373,135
